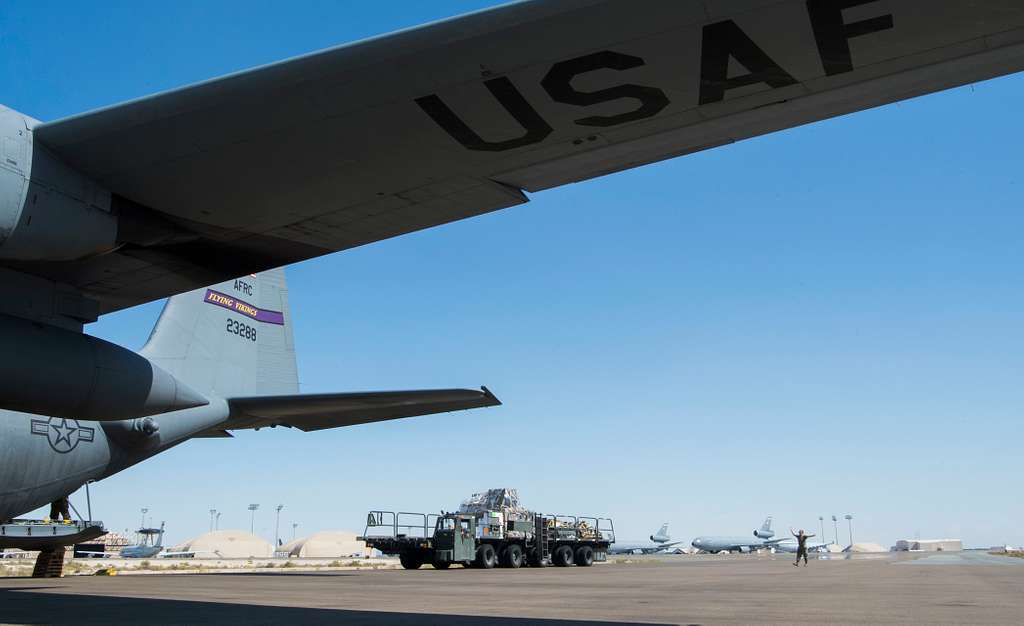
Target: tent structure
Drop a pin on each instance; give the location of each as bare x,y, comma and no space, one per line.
227,544
325,544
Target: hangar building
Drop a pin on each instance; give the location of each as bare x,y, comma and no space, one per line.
929,545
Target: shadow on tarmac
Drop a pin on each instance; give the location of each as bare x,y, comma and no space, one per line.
24,606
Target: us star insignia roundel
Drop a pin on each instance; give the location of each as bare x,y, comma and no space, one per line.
63,434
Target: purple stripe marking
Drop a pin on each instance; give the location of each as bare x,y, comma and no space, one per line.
243,307
270,317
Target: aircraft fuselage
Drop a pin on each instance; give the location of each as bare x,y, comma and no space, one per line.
731,544
46,458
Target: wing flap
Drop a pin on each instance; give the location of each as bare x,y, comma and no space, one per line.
214,434
333,410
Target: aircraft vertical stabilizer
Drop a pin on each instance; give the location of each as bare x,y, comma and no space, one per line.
231,339
765,532
662,535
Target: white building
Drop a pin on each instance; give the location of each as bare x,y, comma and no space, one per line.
928,545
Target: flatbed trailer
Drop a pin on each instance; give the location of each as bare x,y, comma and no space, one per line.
27,534
486,540
50,538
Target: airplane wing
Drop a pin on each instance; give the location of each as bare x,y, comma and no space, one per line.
333,410
643,549
767,543
393,134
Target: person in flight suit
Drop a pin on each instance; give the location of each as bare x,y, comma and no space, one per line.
59,508
801,546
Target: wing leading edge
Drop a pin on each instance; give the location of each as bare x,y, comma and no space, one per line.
334,410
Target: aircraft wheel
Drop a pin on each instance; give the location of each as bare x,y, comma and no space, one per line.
584,556
441,564
485,556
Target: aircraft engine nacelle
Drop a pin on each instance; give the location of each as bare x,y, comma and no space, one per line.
60,373
48,211
764,534
744,549
138,433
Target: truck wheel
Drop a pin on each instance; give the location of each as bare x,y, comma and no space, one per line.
584,556
512,556
485,556
562,556
410,560
441,564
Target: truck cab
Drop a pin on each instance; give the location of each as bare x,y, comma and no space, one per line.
454,539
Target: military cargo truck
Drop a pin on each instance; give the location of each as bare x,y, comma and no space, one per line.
489,530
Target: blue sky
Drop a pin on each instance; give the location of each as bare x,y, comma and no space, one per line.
821,321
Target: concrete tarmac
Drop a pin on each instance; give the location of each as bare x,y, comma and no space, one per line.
962,588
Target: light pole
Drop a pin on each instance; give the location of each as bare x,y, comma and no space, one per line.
216,524
213,512
821,525
294,526
835,528
252,517
849,520
277,527
142,526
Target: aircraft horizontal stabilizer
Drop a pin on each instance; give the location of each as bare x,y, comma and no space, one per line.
332,410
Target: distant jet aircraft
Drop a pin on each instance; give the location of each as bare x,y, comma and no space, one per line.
199,185
789,544
146,549
763,538
660,540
